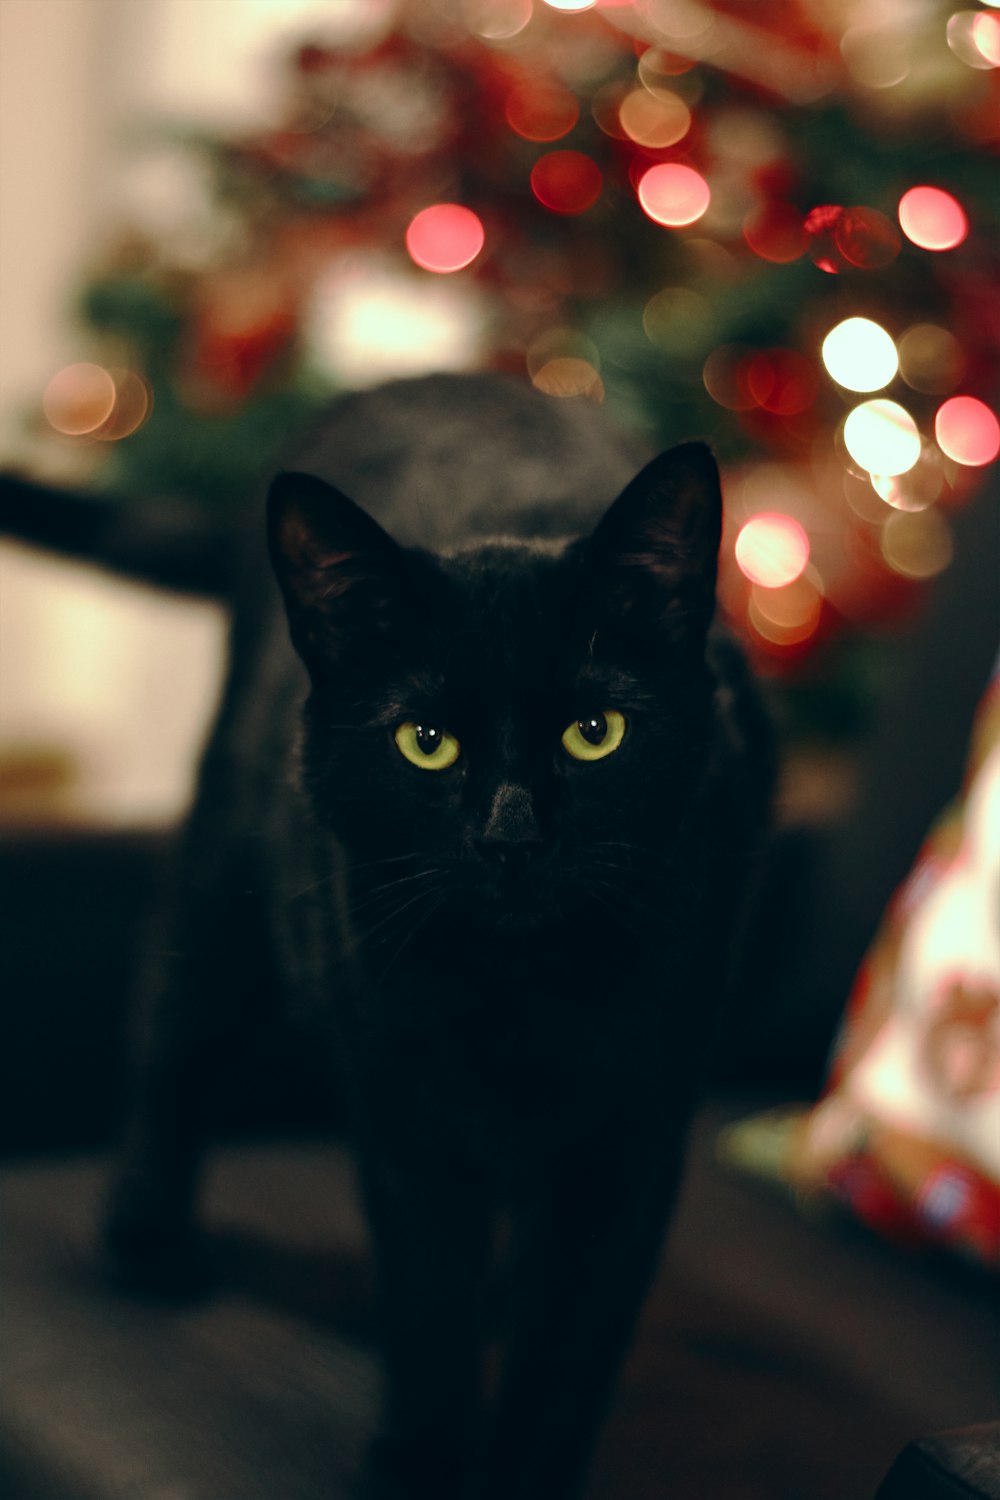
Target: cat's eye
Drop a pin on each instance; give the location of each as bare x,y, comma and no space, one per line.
427,746
595,736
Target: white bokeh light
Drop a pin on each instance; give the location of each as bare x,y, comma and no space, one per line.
882,437
860,355
368,322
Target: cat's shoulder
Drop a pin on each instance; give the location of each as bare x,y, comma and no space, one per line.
744,722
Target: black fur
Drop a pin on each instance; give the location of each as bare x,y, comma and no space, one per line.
517,961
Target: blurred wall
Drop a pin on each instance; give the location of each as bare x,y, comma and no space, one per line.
54,123
105,689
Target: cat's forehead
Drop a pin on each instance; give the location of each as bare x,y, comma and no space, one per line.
513,636
503,593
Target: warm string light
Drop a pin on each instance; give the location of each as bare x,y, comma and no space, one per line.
670,152
566,182
673,194
772,549
882,437
860,355
975,38
445,237
85,400
967,431
932,218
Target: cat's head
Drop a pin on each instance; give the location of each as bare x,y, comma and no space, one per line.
514,729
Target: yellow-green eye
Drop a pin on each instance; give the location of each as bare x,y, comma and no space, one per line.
428,747
595,736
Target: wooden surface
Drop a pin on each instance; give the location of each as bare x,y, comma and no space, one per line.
776,1360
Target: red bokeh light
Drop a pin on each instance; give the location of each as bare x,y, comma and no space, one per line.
775,232
674,195
820,225
541,111
967,431
866,238
567,182
445,237
932,218
782,381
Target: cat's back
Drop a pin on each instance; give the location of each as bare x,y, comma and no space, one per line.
447,458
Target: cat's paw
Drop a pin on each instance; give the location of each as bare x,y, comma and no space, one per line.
147,1251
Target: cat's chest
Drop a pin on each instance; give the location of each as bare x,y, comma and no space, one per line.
513,1067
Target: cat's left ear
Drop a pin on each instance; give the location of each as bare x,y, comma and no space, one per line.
343,578
653,558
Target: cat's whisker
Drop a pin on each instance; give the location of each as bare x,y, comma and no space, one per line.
380,895
396,912
399,880
419,921
366,864
386,859
656,873
619,904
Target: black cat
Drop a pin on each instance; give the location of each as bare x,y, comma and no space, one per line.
491,824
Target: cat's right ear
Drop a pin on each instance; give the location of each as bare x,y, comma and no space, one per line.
341,575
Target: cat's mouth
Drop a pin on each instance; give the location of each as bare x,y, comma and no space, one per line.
513,901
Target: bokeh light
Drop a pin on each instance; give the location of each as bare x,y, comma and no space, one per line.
917,546
604,107
445,237
133,404
930,359
882,437
775,232
967,431
724,377
772,549
79,399
788,615
497,20
866,238
877,56
781,381
861,496
657,64
986,38
860,355
674,195
654,119
570,5
918,488
679,321
932,218
819,224
567,182
560,343
568,375
974,38
541,111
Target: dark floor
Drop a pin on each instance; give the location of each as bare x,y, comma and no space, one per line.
777,1360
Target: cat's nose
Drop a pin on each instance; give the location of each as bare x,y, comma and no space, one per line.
511,837
510,856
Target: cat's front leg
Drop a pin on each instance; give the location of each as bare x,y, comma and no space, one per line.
592,1249
432,1242
188,1022
149,1232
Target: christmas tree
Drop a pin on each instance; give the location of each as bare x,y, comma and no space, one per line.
769,226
